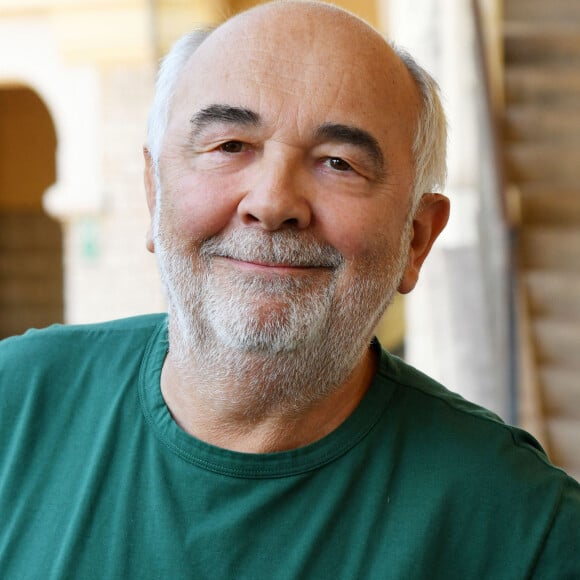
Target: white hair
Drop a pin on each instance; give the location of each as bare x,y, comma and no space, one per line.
429,144
168,76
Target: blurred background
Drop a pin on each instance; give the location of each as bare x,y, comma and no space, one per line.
496,315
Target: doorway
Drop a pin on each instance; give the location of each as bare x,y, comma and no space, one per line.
31,264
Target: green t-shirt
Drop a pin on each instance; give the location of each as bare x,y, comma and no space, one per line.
98,482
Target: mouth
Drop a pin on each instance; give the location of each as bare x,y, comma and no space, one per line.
276,253
270,266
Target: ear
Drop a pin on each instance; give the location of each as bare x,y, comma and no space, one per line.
151,193
428,222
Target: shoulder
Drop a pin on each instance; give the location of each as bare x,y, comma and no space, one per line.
461,437
475,459
134,323
45,372
51,359
60,341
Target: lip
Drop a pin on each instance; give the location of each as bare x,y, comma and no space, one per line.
268,267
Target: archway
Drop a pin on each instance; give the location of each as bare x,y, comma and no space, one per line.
31,268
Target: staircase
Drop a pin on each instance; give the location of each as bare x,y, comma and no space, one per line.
541,132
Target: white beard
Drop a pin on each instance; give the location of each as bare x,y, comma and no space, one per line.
268,314
289,340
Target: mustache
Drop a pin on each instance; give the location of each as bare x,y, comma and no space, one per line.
287,247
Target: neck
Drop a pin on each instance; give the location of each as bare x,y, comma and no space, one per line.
265,405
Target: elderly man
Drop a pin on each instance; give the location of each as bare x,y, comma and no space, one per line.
259,431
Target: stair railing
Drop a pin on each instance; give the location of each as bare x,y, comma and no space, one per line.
501,200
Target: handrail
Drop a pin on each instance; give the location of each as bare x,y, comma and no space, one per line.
531,408
527,401
489,53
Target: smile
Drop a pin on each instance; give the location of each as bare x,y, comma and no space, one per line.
265,266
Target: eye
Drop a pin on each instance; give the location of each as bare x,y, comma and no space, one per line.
232,147
339,164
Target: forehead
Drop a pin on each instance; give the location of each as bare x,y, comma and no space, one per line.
303,74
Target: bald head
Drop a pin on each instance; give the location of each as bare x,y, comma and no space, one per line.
306,48
304,21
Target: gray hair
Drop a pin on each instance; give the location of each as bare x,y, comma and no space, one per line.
168,76
429,144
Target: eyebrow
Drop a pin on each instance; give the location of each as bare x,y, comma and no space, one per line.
223,114
352,136
336,132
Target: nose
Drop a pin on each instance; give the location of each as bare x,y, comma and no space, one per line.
277,198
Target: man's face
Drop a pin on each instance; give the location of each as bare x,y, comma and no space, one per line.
285,189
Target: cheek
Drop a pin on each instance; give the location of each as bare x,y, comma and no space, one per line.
197,206
359,231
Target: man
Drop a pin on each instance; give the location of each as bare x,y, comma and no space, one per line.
260,432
